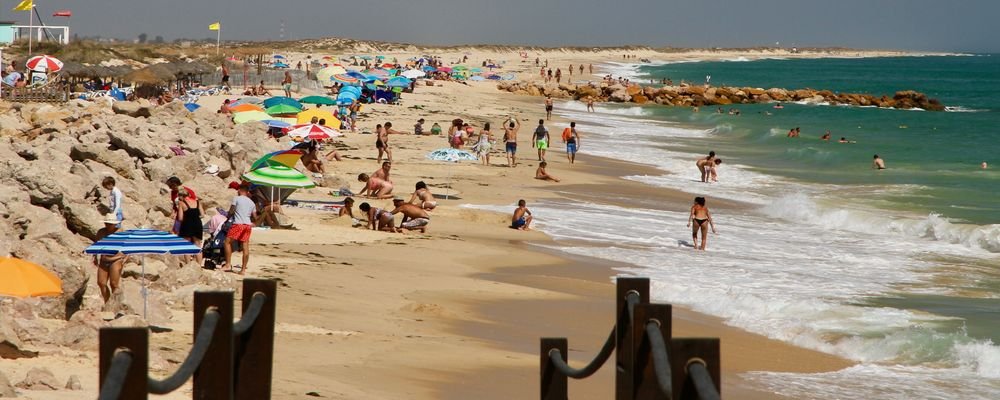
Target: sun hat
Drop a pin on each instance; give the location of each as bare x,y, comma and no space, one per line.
111,219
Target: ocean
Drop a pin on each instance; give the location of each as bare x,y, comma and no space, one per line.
896,269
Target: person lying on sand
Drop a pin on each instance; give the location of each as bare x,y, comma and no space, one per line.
521,219
422,197
375,187
414,218
378,219
541,174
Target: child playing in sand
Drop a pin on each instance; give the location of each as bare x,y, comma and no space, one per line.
378,219
521,219
541,174
423,197
700,216
348,211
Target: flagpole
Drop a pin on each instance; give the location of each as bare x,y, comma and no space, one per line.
31,23
218,38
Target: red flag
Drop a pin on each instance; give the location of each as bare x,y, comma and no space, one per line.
63,13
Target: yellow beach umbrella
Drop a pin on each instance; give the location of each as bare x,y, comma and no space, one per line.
306,116
248,116
20,278
323,75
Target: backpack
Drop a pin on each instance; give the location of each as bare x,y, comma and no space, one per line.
567,133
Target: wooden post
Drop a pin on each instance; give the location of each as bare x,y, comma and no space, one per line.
624,347
213,380
255,348
554,384
136,340
684,350
646,386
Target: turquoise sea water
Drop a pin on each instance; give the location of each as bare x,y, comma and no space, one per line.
897,269
938,153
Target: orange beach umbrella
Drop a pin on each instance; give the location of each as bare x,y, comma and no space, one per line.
20,278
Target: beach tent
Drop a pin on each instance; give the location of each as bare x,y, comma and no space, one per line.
306,116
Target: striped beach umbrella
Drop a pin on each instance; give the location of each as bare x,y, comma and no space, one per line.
286,158
278,176
141,242
313,131
44,63
345,79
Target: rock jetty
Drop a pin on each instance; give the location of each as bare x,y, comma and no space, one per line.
699,96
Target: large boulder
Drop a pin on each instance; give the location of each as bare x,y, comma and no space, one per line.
133,109
39,378
11,347
6,389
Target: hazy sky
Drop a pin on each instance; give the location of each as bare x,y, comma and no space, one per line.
957,25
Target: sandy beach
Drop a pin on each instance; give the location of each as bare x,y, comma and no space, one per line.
456,312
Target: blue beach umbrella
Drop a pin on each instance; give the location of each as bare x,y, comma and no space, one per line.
273,123
399,82
141,242
279,65
279,56
353,90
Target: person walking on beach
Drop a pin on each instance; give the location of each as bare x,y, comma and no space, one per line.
225,75
109,267
548,107
878,163
558,75
521,220
242,210
542,139
510,140
570,70
700,216
590,67
382,143
484,145
572,139
286,84
704,164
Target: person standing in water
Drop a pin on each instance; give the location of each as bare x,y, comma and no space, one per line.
572,140
878,163
700,216
704,165
548,108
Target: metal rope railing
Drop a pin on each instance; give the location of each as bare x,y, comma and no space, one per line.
661,360
250,315
698,371
113,382
194,357
602,356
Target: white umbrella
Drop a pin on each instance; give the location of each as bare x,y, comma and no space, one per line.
451,155
413,73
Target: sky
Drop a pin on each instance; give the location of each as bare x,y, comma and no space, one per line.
933,25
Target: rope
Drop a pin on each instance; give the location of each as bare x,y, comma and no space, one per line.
250,316
556,357
661,362
193,360
113,383
702,381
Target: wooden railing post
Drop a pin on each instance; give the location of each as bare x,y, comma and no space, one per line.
683,351
255,348
646,386
136,340
554,385
213,380
624,346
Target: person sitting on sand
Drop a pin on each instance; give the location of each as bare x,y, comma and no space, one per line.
423,197
700,216
418,128
704,164
378,219
375,187
878,163
436,129
261,90
540,173
348,211
414,218
311,160
521,219
224,109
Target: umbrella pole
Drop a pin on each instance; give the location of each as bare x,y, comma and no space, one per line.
447,190
144,293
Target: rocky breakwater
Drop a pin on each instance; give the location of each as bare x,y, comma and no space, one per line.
52,161
698,96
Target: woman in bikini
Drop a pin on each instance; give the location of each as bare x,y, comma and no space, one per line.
423,197
700,216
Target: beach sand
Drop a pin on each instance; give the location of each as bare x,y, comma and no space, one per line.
456,313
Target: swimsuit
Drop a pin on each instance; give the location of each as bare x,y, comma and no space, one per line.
512,147
519,223
700,221
416,223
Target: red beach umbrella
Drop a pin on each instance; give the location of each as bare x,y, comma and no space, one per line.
44,63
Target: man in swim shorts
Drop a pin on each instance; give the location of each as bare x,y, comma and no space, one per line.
414,217
878,163
510,139
548,105
541,139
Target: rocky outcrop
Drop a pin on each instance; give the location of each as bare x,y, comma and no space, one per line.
39,378
696,96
